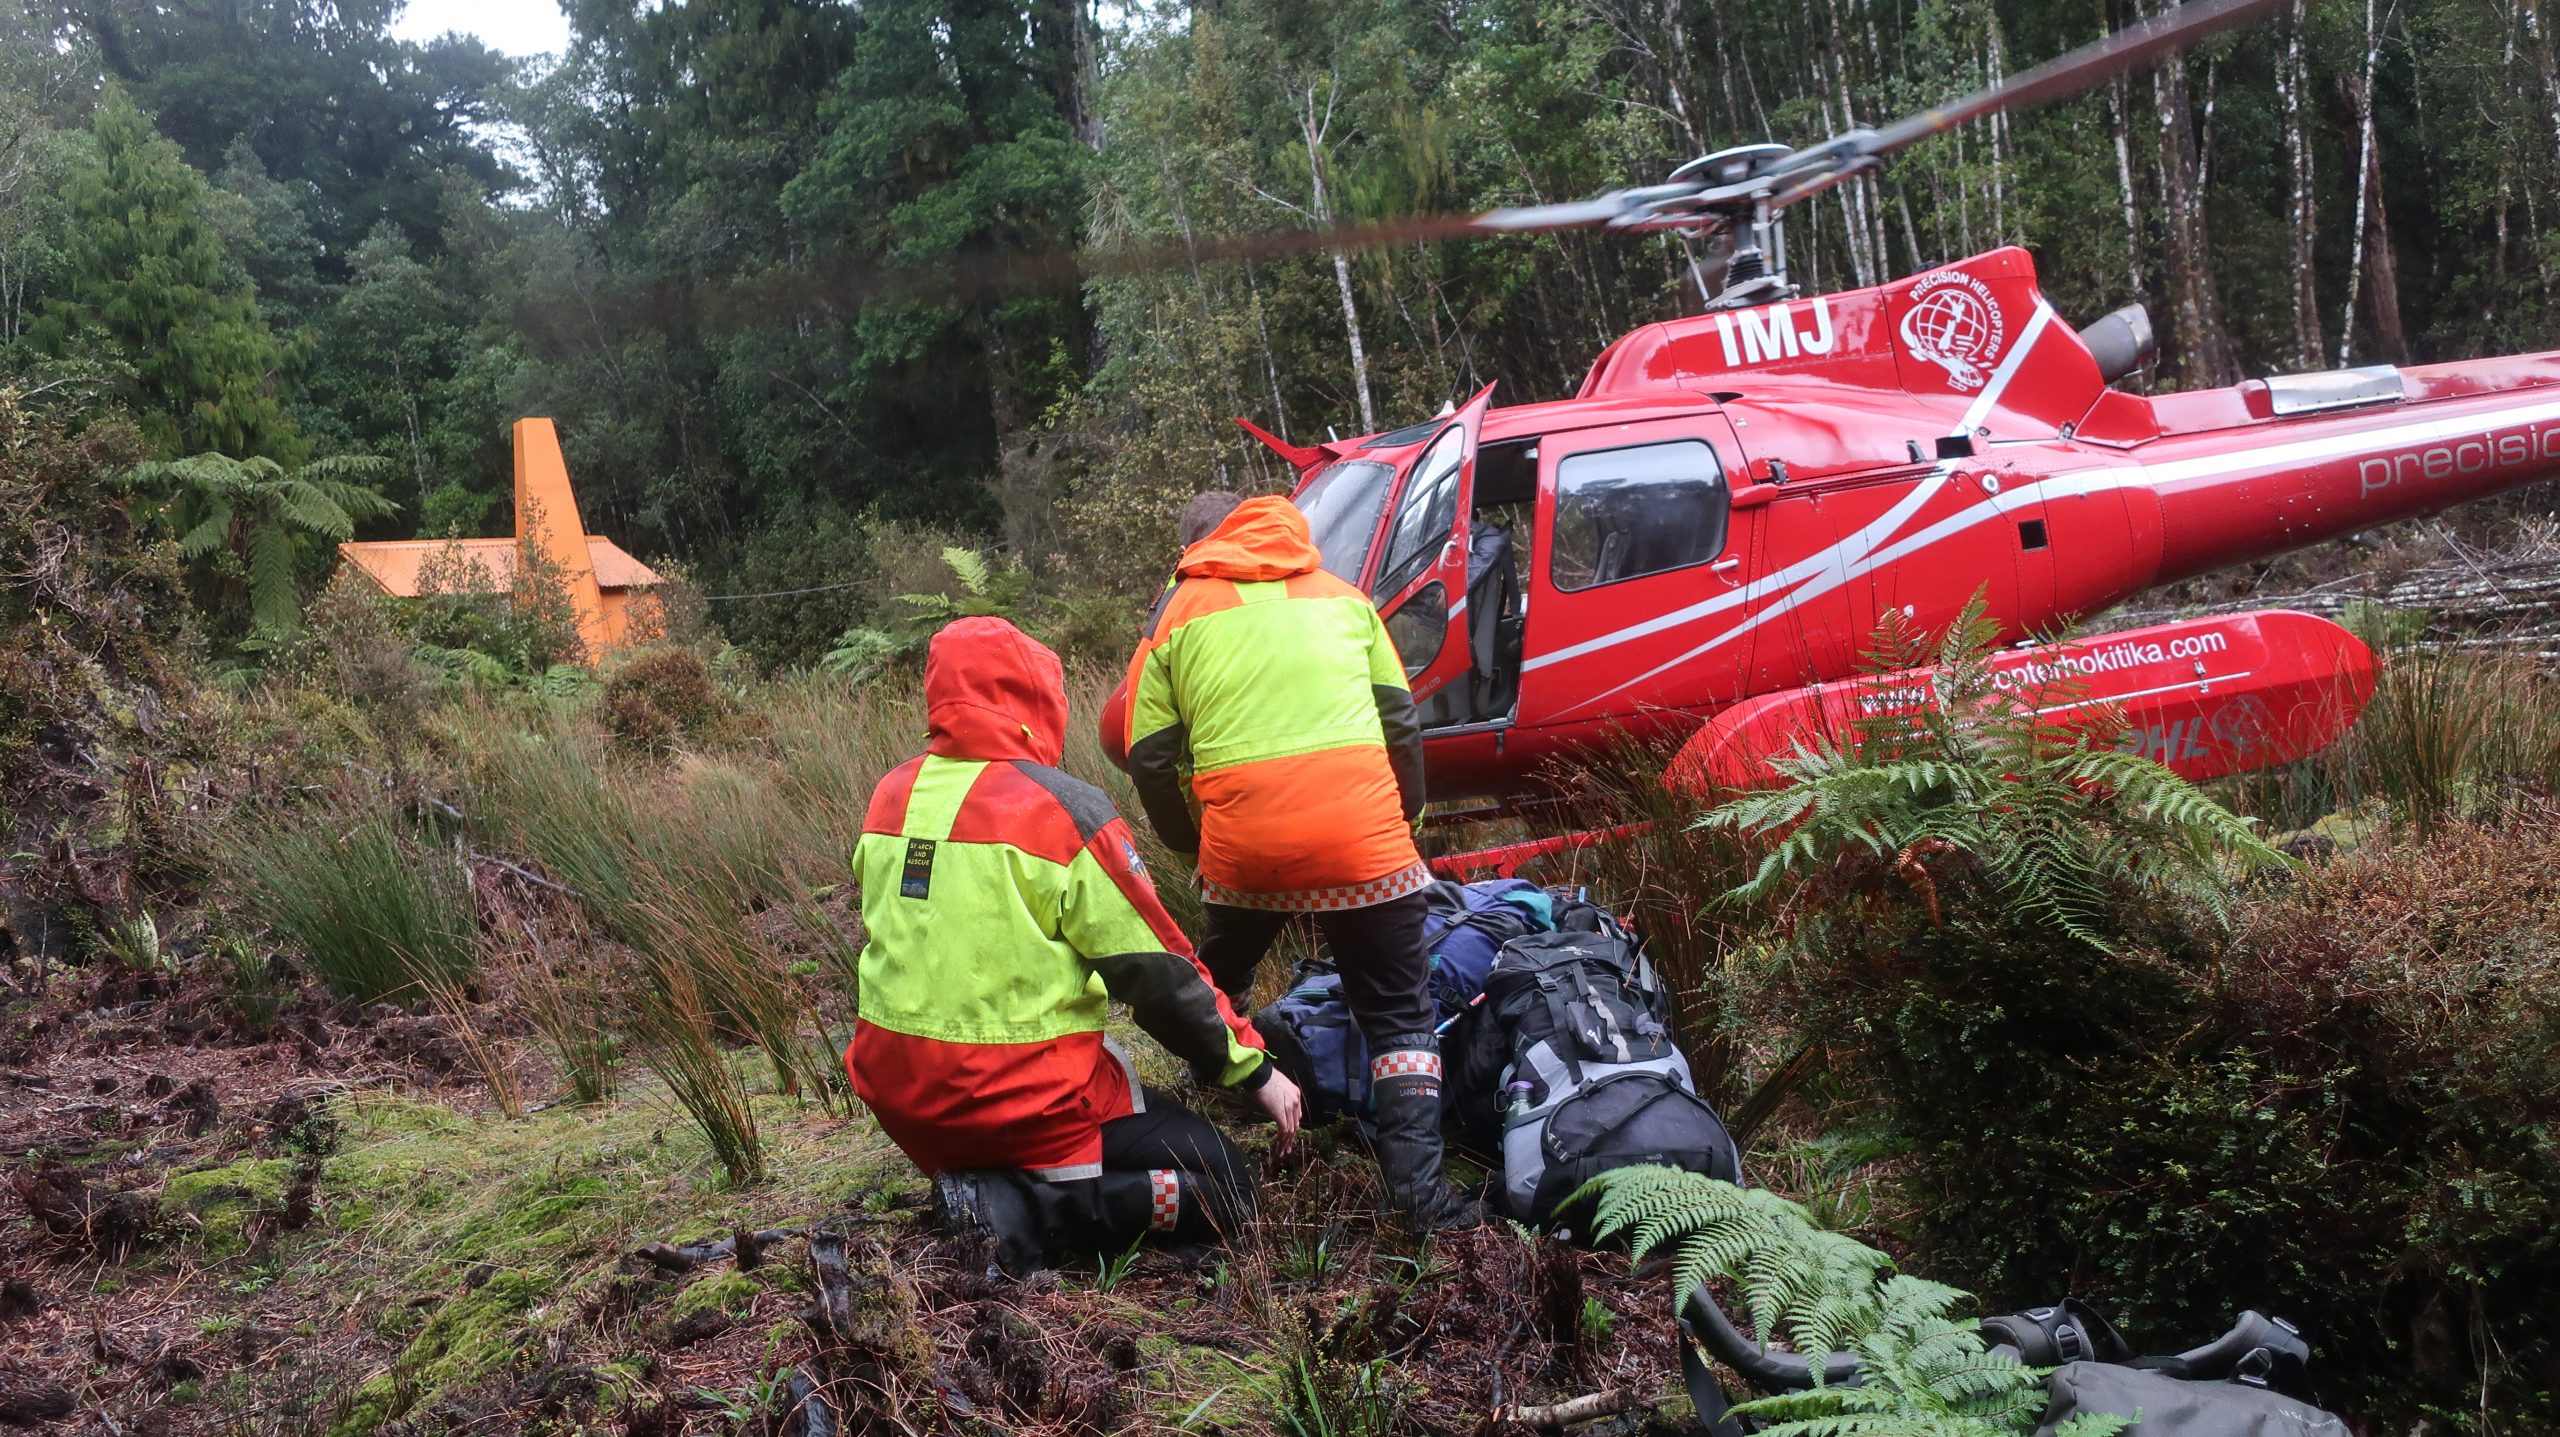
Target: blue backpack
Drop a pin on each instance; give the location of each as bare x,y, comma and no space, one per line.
1310,1031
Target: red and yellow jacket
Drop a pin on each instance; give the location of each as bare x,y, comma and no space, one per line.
1005,902
1269,726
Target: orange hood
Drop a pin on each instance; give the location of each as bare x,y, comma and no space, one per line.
1264,539
993,692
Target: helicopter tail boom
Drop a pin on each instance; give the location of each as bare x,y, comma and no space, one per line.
2276,464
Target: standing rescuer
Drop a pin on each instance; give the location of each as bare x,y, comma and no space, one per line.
1003,900
1271,733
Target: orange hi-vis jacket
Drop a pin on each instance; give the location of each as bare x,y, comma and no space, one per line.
1269,726
1004,902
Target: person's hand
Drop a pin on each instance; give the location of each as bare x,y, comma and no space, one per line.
1280,1098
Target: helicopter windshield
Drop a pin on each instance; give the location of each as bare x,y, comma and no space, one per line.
1342,505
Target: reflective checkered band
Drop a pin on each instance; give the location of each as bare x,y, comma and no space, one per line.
1323,900
1404,1062
1164,1199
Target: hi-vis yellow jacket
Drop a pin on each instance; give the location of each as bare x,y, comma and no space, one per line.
1270,728
1004,902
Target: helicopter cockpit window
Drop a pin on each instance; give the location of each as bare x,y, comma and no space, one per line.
1427,513
1625,513
1342,506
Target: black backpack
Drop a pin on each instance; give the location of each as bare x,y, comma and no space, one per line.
1573,1047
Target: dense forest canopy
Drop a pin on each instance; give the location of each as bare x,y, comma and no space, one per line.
758,258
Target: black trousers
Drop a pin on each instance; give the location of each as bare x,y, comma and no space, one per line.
1166,1171
1386,973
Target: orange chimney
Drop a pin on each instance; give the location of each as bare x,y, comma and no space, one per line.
547,521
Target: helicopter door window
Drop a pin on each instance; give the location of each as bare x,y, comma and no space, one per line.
1418,625
1426,515
1626,513
1342,506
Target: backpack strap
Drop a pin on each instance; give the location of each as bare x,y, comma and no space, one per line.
1567,1039
1715,1414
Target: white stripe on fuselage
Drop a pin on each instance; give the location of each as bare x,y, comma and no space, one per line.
1859,554
1837,565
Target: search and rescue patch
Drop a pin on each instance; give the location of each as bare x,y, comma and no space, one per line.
917,882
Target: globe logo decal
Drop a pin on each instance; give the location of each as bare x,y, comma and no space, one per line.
1953,324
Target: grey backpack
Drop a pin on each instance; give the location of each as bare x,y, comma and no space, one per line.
1593,1080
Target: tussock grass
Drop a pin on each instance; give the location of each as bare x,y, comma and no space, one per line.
569,1001
1671,879
833,742
695,949
376,909
2452,731
677,1035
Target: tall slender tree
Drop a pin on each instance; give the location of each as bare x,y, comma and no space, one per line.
149,295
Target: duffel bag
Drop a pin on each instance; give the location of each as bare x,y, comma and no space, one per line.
1310,1036
1465,924
2169,1406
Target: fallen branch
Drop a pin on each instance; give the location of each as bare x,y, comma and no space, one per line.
527,874
672,1259
1591,1407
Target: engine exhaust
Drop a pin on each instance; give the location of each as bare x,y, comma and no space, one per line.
2121,342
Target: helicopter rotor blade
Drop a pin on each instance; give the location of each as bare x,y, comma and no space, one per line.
2176,28
1710,195
1764,175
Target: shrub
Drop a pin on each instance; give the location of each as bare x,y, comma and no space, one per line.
373,908
659,698
2335,1109
2326,1094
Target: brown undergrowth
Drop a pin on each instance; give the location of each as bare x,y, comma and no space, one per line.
328,1229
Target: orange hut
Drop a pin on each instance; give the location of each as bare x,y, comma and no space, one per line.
601,578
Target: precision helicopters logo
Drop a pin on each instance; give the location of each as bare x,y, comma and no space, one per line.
1954,325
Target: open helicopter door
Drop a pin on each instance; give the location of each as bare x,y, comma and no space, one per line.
1420,585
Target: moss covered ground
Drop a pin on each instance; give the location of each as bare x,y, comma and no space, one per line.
467,1242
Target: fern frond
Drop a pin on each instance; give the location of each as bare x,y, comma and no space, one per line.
1924,1370
209,535
969,567
271,596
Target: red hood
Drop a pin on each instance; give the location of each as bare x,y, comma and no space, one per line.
1264,539
993,692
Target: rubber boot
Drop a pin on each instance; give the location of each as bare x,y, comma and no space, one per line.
1404,1099
991,1204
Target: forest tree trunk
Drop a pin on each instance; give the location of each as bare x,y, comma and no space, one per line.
2116,108
1315,127
2300,211
2390,341
2373,254
2204,353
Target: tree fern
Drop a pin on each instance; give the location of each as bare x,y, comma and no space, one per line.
986,589
263,515
1923,1372
2063,825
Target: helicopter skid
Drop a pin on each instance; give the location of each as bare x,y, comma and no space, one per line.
2208,697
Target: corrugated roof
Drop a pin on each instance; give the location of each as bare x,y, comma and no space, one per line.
397,565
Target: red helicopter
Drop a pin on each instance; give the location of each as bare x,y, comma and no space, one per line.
1701,543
